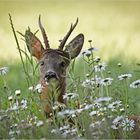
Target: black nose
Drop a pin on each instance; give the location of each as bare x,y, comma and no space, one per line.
50,75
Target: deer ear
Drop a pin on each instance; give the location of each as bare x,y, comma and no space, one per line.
75,46
33,44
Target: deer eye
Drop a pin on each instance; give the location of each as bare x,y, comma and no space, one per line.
41,63
63,64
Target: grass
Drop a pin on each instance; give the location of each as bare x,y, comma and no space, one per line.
100,110
102,103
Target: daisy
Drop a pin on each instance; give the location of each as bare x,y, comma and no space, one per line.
31,88
88,83
65,127
103,99
89,51
117,122
92,49
10,98
88,106
98,80
24,103
17,92
39,88
119,64
67,112
93,113
115,105
106,81
70,96
39,123
135,84
124,76
128,125
3,70
100,67
55,131
97,59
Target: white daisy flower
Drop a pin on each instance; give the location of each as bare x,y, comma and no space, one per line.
10,98
93,113
89,51
124,76
103,99
135,84
67,112
14,107
70,96
128,125
4,70
114,105
95,124
97,59
31,88
55,131
117,122
14,132
39,88
119,64
88,106
23,103
39,123
100,67
17,92
106,81
79,110
122,110
64,127
88,83
98,80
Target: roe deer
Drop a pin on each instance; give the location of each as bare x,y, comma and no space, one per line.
53,63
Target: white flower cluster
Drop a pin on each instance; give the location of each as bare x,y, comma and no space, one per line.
38,88
123,122
65,131
18,105
100,67
98,81
88,83
4,70
89,51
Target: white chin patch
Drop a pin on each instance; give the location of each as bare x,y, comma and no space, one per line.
46,83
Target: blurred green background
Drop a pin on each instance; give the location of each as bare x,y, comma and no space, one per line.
113,25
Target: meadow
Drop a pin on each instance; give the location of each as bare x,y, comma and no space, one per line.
102,83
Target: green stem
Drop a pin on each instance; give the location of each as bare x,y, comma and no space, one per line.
18,46
107,91
126,96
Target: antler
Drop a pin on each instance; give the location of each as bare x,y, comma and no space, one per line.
67,35
46,42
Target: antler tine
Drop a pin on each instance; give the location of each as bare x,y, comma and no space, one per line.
46,42
72,27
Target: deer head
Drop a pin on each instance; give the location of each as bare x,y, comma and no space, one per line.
54,62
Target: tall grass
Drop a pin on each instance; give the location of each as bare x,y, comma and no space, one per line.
102,101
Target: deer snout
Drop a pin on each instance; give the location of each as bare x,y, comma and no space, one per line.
50,75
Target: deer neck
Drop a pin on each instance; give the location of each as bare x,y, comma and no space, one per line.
52,93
